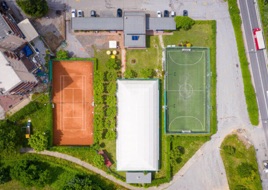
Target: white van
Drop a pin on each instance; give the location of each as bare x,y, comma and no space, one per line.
73,13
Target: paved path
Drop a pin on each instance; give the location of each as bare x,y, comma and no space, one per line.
81,163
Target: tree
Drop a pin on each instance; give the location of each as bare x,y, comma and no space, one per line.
184,22
31,172
4,174
98,160
110,135
62,54
10,135
34,8
147,73
81,182
39,141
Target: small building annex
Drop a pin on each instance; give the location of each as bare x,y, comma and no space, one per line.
137,143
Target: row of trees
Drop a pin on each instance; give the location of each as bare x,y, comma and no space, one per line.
105,101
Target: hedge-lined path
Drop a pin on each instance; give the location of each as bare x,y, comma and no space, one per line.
81,163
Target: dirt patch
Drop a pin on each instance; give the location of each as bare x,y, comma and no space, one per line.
243,137
51,28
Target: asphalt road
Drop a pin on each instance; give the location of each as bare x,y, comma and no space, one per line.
256,58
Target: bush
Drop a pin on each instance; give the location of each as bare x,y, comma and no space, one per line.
147,73
27,110
62,54
98,160
240,187
184,22
130,74
39,141
34,8
31,173
245,170
81,182
229,149
4,174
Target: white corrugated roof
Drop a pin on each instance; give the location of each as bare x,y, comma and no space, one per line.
8,77
28,30
137,143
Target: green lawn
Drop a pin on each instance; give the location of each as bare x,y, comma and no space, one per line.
149,58
61,172
232,159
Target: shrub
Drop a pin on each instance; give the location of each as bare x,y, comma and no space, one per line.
147,73
34,8
184,22
130,74
31,173
81,182
229,149
98,160
240,187
4,174
39,141
245,170
62,54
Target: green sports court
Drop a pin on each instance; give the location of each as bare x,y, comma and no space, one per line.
187,90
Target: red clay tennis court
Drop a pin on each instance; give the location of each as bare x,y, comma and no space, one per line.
72,93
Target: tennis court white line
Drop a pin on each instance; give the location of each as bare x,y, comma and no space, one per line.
202,126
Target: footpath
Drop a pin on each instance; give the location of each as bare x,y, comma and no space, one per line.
81,163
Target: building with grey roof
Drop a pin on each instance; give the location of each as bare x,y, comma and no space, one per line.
133,23
138,177
11,36
134,29
97,23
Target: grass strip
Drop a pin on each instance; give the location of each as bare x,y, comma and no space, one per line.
252,106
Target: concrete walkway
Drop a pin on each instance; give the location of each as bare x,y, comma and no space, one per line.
81,163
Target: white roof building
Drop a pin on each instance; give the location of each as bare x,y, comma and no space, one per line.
137,143
8,77
28,30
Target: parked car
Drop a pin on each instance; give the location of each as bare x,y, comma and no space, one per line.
185,13
80,13
119,12
173,13
73,13
4,5
93,13
159,14
166,13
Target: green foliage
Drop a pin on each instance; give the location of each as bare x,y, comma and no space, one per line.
34,8
4,174
39,141
27,110
9,137
111,88
62,54
81,182
98,160
245,169
31,173
130,74
241,167
147,73
229,149
184,22
249,91
110,135
113,64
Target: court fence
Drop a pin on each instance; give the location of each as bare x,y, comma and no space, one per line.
207,88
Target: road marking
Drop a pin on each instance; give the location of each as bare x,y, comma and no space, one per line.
257,62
